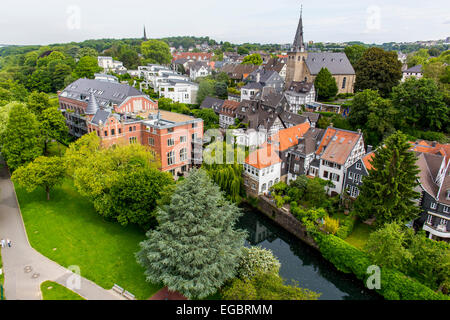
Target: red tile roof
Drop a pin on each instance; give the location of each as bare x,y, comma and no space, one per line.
289,137
367,159
337,145
264,157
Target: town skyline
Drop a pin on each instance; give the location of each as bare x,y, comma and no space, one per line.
377,23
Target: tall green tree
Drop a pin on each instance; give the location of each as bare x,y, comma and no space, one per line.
205,89
210,118
53,126
354,53
86,67
378,70
374,115
38,102
156,51
196,247
133,198
42,172
21,141
421,104
325,84
388,192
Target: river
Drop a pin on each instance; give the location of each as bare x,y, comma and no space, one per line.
300,262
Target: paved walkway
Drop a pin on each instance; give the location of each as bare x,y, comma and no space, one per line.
25,268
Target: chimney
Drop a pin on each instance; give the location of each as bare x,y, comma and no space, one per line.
434,144
331,125
369,149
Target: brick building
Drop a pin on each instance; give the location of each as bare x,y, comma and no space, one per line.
122,114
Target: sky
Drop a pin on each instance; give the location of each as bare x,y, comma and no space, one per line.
237,21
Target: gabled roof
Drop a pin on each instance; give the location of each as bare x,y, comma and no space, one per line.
253,85
336,62
289,137
229,107
212,103
415,69
300,86
337,145
264,157
105,92
367,160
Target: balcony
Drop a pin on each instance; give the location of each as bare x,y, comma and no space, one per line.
438,231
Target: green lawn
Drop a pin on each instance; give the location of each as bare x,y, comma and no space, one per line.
54,291
360,235
67,229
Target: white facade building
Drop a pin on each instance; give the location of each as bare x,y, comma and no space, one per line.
179,91
109,64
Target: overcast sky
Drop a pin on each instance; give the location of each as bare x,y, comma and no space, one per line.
238,21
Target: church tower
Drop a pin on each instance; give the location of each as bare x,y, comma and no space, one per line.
297,56
145,35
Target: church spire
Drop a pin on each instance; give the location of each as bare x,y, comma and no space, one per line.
299,45
145,34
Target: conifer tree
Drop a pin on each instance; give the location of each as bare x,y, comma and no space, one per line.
325,84
195,248
388,192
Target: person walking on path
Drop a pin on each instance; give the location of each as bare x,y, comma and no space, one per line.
3,243
8,242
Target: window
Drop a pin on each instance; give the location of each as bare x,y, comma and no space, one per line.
183,154
446,209
433,205
120,130
113,132
443,222
151,141
133,140
171,158
429,219
170,130
350,175
183,139
325,174
448,194
170,142
130,129
106,133
264,187
296,168
358,165
344,82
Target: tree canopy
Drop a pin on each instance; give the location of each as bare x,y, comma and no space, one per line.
325,84
378,70
156,51
196,247
388,193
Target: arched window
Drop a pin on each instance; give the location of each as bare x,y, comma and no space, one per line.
270,184
263,188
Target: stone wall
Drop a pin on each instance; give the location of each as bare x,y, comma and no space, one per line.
286,220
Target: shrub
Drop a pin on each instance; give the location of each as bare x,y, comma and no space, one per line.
346,227
255,260
394,284
331,225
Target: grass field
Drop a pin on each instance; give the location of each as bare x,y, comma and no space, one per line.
54,291
67,229
360,235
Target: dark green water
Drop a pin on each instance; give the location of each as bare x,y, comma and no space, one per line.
301,262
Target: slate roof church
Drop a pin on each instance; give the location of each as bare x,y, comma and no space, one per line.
304,66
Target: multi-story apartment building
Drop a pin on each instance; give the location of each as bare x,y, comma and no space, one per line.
179,91
109,64
119,113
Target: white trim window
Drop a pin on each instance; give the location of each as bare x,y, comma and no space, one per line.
430,219
446,209
183,154
171,158
433,205
443,222
170,142
358,166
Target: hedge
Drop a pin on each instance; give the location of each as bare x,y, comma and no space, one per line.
346,227
394,284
